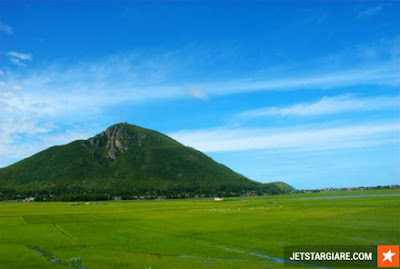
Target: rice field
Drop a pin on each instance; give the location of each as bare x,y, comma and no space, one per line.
242,232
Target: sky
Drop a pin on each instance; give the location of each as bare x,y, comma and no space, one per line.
301,92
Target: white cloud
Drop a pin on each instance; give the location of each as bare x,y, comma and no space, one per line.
196,92
6,29
303,138
43,139
327,105
56,92
16,62
59,90
20,55
12,131
370,11
13,87
17,58
87,88
376,75
16,87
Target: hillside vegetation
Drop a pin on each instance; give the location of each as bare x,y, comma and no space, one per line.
127,160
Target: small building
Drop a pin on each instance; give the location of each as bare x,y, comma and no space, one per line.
218,199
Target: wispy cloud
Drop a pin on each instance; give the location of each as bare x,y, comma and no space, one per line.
378,75
20,55
18,58
58,91
17,62
35,102
370,11
303,138
38,140
365,54
196,92
327,105
52,93
6,29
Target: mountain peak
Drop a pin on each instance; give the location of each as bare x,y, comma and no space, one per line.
121,137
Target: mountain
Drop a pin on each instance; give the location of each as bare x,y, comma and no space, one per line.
126,160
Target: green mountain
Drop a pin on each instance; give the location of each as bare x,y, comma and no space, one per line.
126,160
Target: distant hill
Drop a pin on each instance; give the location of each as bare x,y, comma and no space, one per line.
126,160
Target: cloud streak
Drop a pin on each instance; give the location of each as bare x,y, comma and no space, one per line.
378,75
18,58
52,93
303,138
59,90
370,11
326,106
196,92
6,29
17,62
44,139
20,55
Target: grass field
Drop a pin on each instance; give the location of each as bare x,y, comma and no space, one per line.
197,233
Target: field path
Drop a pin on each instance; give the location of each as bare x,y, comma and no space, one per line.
63,232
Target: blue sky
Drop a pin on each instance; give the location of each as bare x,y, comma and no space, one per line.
301,92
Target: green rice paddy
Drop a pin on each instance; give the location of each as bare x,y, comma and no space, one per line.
242,232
